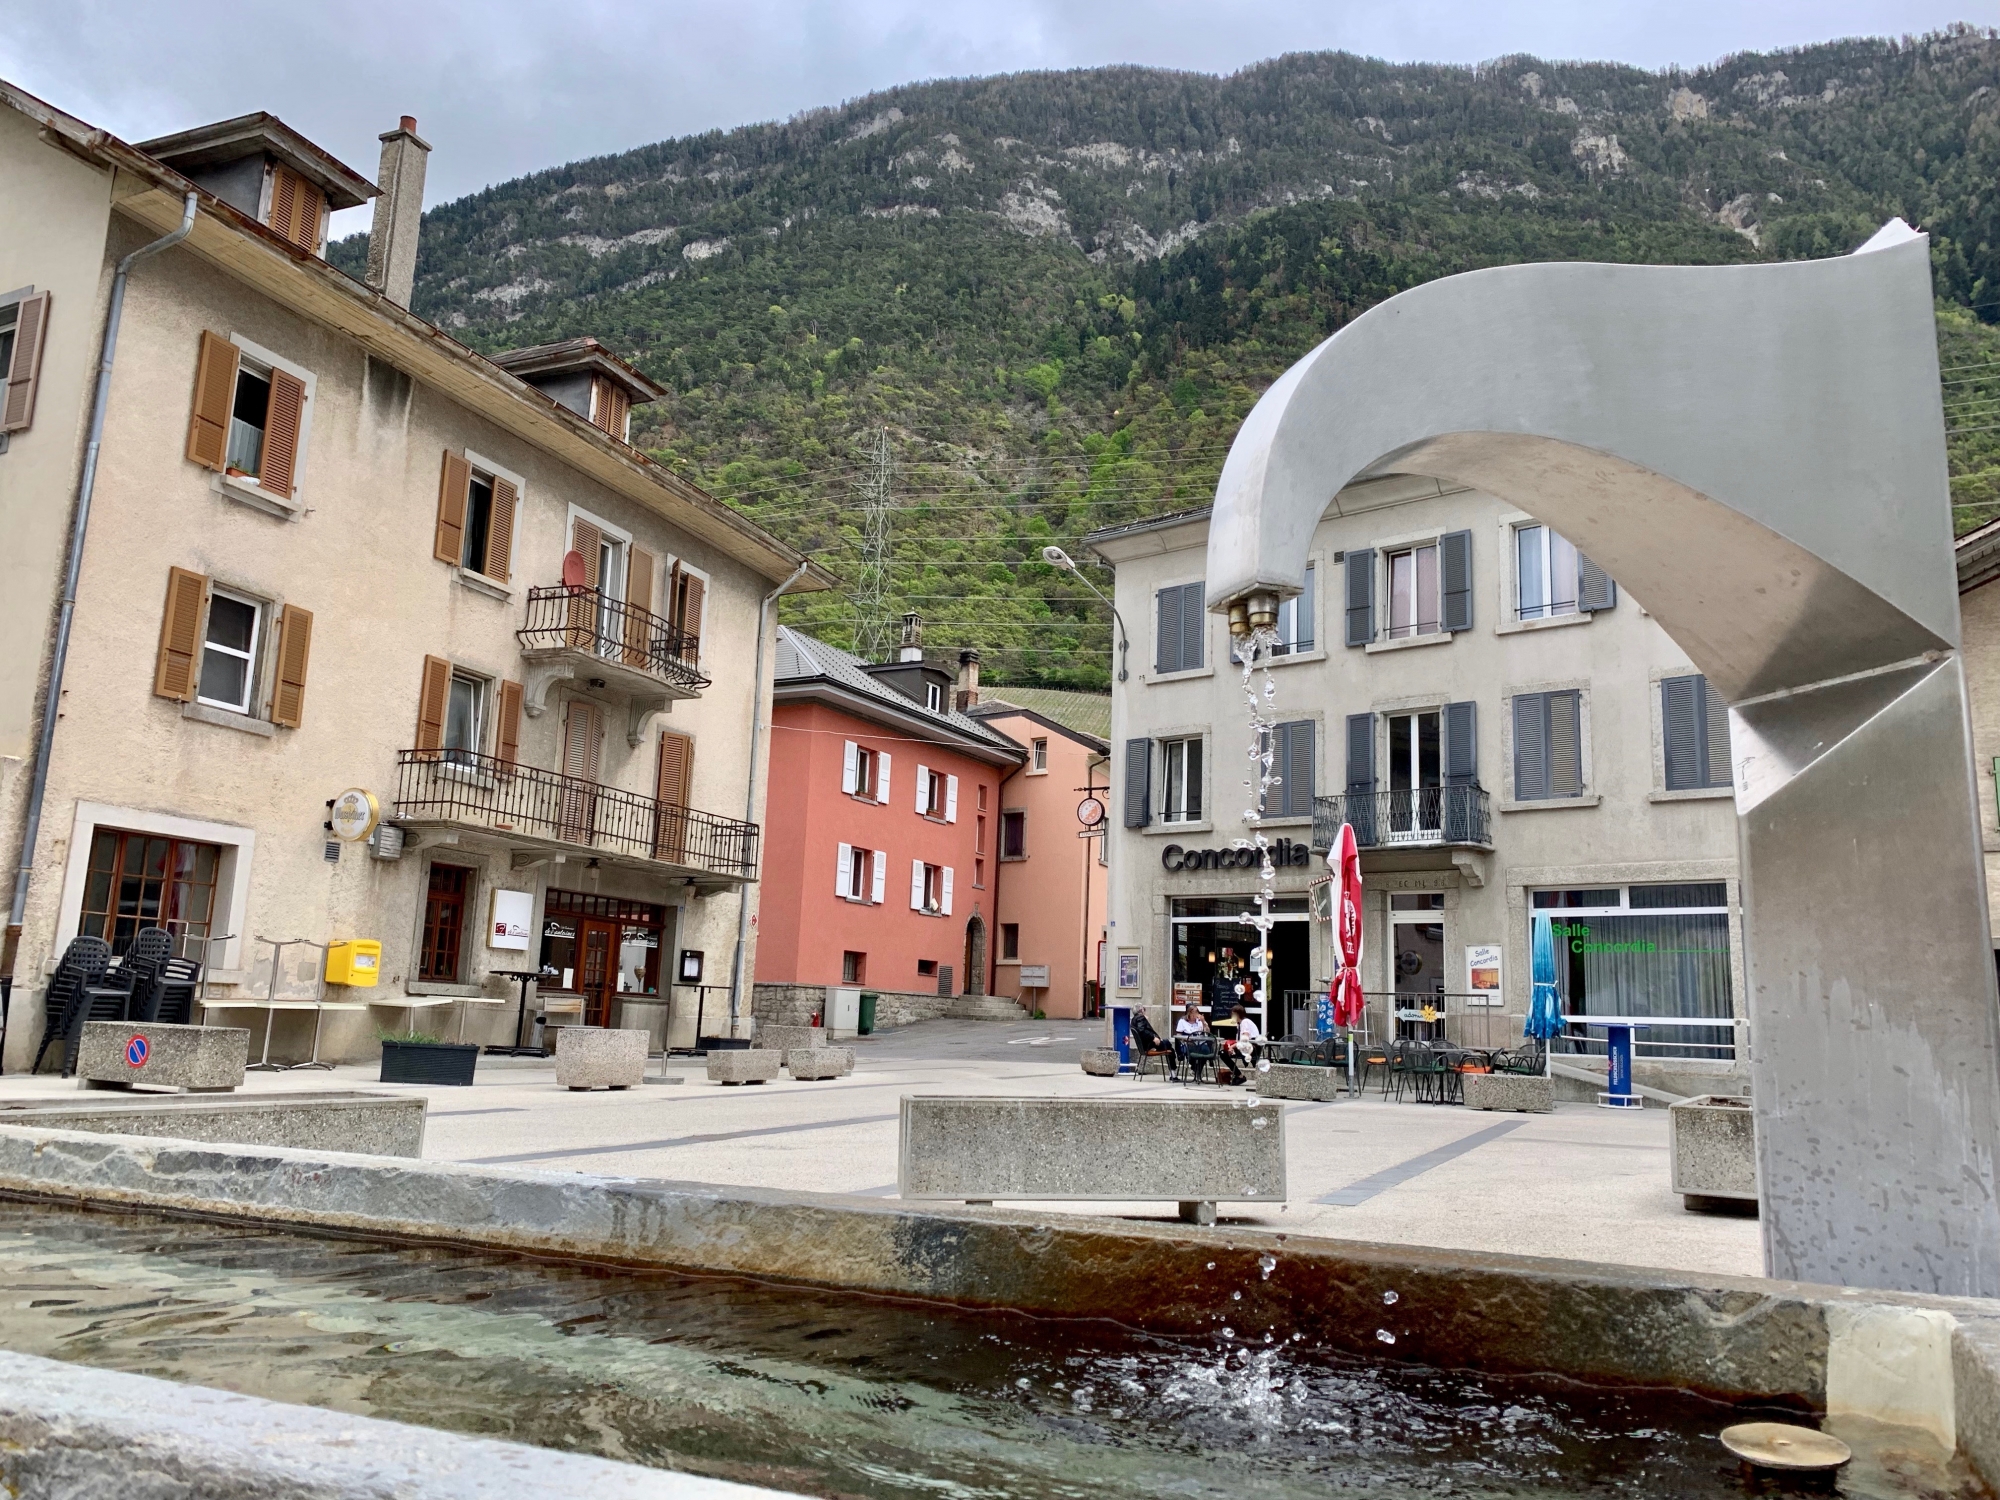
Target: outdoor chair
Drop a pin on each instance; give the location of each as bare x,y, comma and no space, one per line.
83,964
180,982
131,991
1425,1075
1197,1053
1148,1047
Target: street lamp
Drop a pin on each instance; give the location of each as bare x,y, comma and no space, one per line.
1056,557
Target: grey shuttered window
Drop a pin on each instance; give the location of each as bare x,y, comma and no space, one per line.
1361,776
1178,627
1548,745
1292,764
1461,744
1138,783
1455,566
1361,597
1695,726
1595,589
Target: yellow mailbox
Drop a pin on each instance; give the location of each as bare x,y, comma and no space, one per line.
356,961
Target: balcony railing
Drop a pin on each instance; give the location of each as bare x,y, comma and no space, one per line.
484,792
1430,815
613,631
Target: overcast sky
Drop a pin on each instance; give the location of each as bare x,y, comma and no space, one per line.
503,87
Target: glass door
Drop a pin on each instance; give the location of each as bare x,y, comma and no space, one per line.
1416,777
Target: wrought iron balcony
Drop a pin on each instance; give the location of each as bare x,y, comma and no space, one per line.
1431,815
596,636
546,811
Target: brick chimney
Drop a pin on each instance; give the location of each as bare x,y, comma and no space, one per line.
968,679
399,213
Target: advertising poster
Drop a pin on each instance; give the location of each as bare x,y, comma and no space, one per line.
1482,973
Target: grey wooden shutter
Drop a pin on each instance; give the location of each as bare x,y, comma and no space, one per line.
1361,776
1680,726
1167,632
1565,744
1595,589
1138,783
1194,625
1295,763
1461,744
1304,629
1361,597
1718,764
1455,563
1531,746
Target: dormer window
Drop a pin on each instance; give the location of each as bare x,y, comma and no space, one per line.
266,170
589,379
934,697
610,409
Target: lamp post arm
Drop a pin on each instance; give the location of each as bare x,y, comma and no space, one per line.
1124,641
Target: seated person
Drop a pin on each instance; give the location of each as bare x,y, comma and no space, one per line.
1248,1033
1191,1022
1143,1036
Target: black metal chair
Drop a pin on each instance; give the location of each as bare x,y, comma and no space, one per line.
145,965
83,964
1148,1047
180,983
1197,1053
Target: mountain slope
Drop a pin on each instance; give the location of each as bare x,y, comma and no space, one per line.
1060,292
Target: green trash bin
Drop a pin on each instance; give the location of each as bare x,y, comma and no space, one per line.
864,1025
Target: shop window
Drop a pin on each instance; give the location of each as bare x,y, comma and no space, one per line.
138,880
853,968
1010,942
1014,834
439,955
1645,950
1180,780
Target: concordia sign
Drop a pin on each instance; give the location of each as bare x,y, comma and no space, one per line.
1284,853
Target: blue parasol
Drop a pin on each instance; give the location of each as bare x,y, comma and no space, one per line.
1544,1010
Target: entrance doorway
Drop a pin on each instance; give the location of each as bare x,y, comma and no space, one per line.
1416,957
1214,951
602,949
975,957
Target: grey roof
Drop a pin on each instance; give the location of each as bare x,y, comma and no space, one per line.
803,659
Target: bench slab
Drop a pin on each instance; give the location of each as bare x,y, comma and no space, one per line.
744,1065
819,1062
1516,1091
1295,1081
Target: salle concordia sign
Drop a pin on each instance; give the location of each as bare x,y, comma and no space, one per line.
1284,853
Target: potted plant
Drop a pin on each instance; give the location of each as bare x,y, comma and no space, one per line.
417,1057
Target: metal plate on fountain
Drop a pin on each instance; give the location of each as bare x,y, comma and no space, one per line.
1780,1445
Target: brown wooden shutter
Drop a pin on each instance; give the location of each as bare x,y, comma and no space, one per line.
297,207
581,737
610,405
288,701
23,373
507,732
180,635
693,591
432,698
586,540
214,395
670,788
281,433
453,486
638,595
500,531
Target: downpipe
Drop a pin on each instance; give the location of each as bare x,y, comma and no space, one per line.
79,528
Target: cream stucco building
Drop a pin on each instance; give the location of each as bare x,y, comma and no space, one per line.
328,547
1505,730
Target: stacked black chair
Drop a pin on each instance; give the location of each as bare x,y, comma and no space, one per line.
83,965
180,982
146,964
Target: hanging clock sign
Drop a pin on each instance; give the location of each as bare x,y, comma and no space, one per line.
1090,812
352,815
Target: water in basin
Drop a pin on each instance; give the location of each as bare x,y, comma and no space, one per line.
840,1394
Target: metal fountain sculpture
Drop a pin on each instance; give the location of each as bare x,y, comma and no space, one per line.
1757,454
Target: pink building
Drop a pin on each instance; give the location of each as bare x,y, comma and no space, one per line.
1050,907
880,831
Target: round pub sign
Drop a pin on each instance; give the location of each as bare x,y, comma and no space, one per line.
353,814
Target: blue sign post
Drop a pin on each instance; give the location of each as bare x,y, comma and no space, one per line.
1121,1034
1618,1057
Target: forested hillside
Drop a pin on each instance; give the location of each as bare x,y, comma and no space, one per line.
1059,293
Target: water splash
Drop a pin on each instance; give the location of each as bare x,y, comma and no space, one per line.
1266,1264
1256,652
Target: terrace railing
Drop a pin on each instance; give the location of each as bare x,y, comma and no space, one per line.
560,618
1422,815
503,797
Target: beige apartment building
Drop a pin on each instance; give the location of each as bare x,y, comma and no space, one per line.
329,550
1506,730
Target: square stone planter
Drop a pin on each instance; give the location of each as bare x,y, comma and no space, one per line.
594,1057
819,1062
1101,1062
790,1038
1292,1081
129,1054
1516,1091
747,1065
1713,1149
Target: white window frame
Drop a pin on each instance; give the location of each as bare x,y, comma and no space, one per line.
1168,814
257,354
1554,608
482,707
1412,549
1038,756
934,697
251,659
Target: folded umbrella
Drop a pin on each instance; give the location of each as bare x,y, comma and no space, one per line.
1545,1018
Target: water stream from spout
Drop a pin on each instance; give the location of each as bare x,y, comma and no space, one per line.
1260,692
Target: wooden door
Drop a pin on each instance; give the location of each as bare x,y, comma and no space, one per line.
597,976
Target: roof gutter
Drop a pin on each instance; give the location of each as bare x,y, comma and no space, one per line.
750,796
79,530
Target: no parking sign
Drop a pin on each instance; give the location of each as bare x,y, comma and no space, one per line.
137,1051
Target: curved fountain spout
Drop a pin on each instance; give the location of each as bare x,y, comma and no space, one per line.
1756,453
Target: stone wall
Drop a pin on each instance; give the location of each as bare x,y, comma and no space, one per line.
797,1004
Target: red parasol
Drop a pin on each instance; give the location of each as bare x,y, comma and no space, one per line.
1344,859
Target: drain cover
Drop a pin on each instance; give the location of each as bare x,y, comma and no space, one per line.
1780,1445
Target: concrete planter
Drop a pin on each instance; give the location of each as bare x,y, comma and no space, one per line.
1292,1081
745,1065
1713,1149
592,1057
1101,1062
133,1054
1516,1091
790,1038
429,1062
819,1062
